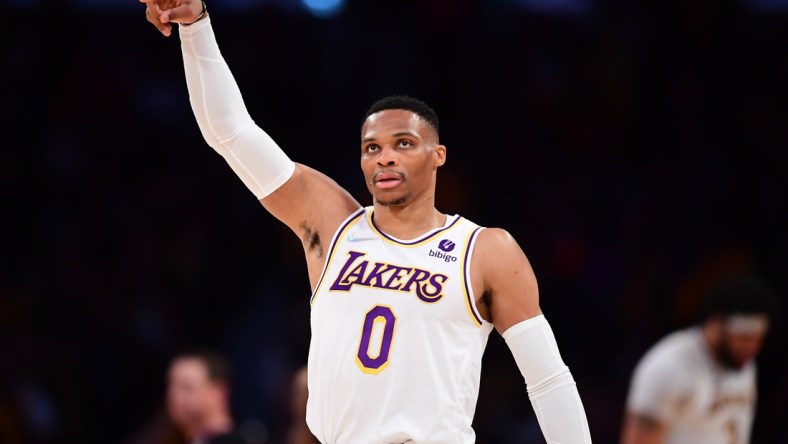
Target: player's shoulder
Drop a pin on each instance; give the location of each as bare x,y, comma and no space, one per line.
496,237
495,245
677,351
498,257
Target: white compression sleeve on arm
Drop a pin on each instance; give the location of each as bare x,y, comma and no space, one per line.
551,387
222,116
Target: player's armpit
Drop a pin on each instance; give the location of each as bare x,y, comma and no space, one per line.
503,280
313,206
642,429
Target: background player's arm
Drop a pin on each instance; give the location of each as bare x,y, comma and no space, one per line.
660,388
307,201
509,298
642,429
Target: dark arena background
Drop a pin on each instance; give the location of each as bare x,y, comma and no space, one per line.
637,150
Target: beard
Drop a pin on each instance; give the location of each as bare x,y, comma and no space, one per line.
725,356
394,201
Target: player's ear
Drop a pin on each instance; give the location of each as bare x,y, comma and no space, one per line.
439,155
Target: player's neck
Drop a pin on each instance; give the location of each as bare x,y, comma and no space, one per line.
408,221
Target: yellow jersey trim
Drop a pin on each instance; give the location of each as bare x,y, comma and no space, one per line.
466,278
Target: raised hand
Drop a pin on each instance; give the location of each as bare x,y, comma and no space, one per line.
163,13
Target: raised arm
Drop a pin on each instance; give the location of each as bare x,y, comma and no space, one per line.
508,297
310,203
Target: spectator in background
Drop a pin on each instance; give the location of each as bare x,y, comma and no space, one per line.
299,432
698,385
198,398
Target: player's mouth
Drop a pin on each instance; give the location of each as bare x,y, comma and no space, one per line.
387,180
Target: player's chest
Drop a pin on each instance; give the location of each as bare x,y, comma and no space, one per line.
376,268
720,395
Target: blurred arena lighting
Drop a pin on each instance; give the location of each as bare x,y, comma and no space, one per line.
324,8
556,6
770,5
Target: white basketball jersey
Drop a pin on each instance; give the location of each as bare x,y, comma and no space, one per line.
397,341
680,384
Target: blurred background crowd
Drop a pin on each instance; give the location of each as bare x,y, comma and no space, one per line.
637,150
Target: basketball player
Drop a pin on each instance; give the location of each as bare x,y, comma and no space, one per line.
404,296
698,385
198,399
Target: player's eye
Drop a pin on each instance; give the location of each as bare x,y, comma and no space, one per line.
371,148
405,143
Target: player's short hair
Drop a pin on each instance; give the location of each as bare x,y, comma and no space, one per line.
416,106
742,293
216,365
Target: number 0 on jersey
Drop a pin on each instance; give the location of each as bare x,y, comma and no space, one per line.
376,336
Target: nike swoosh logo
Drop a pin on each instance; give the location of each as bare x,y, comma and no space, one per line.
352,238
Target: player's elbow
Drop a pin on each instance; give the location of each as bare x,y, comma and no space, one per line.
225,134
561,377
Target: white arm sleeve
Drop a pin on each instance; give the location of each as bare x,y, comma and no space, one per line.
551,387
222,116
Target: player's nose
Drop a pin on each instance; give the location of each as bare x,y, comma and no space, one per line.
387,157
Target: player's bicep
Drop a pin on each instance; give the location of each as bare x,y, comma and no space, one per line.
509,284
310,203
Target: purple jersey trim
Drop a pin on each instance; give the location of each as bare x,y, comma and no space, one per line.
334,243
413,242
465,270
